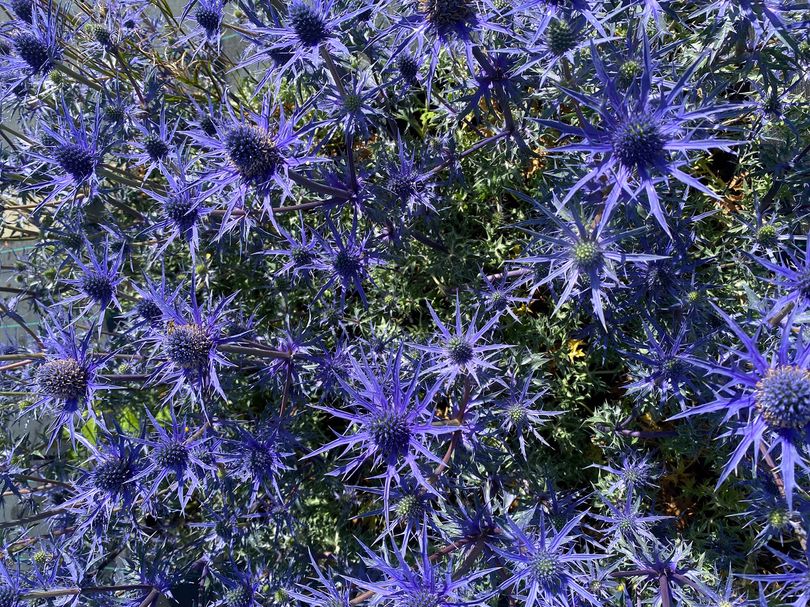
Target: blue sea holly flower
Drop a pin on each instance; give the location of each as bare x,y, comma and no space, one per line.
239,589
350,107
545,570
153,144
423,28
407,69
766,401
665,364
421,584
35,45
768,511
99,279
409,507
346,259
188,345
250,158
406,179
586,255
328,593
518,412
792,280
206,16
21,9
258,458
471,526
667,570
178,453
110,482
147,312
299,253
181,205
556,39
633,471
498,294
331,364
625,523
71,156
68,379
308,37
765,17
496,81
793,581
641,140
11,588
391,420
457,351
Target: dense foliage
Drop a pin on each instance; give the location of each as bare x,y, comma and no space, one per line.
414,303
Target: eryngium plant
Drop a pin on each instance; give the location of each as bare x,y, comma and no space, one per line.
404,303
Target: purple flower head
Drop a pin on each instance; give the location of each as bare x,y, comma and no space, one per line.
518,413
181,206
585,254
638,134
258,458
147,311
71,156
117,108
471,526
632,472
667,569
766,402
308,36
21,9
177,453
409,507
296,344
421,583
666,364
68,379
428,26
35,43
556,39
792,279
351,107
766,17
345,259
99,279
407,181
332,365
240,589
116,24
11,587
153,144
667,280
407,69
328,593
189,345
498,294
794,580
391,419
457,351
497,80
206,17
110,481
249,158
545,568
626,522
299,253
768,511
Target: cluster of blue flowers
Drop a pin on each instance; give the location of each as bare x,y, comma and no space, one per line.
412,303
